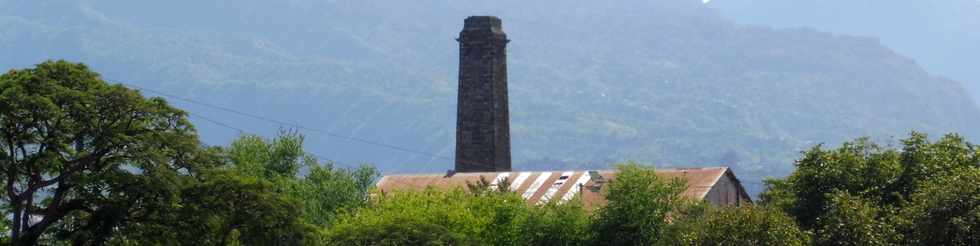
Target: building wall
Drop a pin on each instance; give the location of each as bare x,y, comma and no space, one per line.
725,192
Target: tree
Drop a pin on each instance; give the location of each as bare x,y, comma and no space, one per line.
281,157
78,151
459,217
558,224
322,189
924,161
638,207
429,217
945,211
551,223
852,220
743,225
326,191
231,209
860,167
863,193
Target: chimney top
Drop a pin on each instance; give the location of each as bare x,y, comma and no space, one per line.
482,22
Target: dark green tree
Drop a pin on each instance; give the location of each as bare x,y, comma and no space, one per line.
866,194
429,217
558,224
459,217
322,188
859,167
924,161
745,225
638,207
852,220
944,211
233,210
78,151
89,163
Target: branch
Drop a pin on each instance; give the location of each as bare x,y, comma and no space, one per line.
74,166
53,215
11,190
59,196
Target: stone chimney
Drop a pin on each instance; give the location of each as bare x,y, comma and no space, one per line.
482,121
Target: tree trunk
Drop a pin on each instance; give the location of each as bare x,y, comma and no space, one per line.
15,232
30,234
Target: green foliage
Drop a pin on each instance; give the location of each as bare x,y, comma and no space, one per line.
460,218
230,209
744,225
859,186
78,153
851,220
326,190
860,167
4,224
864,194
88,163
323,190
638,207
944,211
558,224
280,157
779,193
436,218
923,161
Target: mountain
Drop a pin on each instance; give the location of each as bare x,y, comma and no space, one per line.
670,82
941,35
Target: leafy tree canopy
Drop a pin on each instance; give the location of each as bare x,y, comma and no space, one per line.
86,154
89,163
745,225
459,217
321,187
867,194
638,207
944,211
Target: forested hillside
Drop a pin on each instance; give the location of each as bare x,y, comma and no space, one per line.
941,35
669,82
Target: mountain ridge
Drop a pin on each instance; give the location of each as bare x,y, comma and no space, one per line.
939,34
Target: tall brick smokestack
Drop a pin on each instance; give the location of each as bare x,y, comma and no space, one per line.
482,121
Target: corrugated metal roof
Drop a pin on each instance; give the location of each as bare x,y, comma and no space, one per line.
543,186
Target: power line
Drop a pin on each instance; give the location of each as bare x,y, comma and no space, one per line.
219,123
226,109
229,126
262,118
242,131
297,126
319,157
